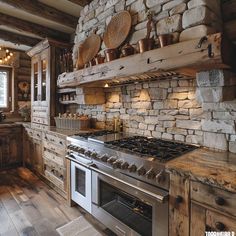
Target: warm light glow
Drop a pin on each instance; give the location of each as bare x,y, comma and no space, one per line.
11,54
7,51
0,60
106,85
8,57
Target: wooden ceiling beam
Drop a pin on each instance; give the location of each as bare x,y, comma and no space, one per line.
80,2
18,39
29,27
37,8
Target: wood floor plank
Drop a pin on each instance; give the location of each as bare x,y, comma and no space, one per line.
7,227
29,207
22,224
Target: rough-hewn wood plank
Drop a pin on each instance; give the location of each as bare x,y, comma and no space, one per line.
81,2
229,10
17,38
198,220
47,12
230,29
181,55
36,29
179,206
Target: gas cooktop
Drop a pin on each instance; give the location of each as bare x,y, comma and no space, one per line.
162,150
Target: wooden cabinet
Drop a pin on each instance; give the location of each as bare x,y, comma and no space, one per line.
212,209
195,208
32,140
10,147
45,67
54,152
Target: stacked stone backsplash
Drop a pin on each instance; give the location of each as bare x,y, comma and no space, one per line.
199,110
182,109
185,19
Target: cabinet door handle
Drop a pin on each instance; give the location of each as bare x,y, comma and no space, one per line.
220,226
220,201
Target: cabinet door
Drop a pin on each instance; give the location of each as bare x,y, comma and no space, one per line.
35,81
37,159
11,148
27,158
44,89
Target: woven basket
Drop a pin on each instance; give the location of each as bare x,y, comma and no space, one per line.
117,30
89,49
65,123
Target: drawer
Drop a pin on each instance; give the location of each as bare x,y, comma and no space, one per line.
37,134
214,197
54,140
56,181
54,148
53,157
30,132
40,120
58,170
219,222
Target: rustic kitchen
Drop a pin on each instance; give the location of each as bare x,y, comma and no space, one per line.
118,117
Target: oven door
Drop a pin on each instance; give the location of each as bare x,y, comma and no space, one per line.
128,209
81,185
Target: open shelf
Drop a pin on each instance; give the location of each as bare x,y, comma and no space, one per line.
184,58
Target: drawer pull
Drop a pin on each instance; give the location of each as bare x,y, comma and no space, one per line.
178,199
220,226
220,201
61,143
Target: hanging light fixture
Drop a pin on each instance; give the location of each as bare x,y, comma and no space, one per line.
5,55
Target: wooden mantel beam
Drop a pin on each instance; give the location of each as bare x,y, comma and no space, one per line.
36,29
18,39
47,12
81,2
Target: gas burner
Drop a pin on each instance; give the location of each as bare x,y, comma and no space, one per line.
96,133
151,147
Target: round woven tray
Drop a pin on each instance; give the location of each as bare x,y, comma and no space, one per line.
89,49
117,30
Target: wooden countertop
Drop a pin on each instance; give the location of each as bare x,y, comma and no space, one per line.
53,129
210,167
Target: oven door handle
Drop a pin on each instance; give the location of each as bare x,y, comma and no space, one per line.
79,160
159,197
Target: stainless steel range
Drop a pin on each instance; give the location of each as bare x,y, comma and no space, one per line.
121,179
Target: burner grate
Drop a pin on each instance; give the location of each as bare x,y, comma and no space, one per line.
162,150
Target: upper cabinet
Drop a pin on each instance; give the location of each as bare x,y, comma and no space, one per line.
45,67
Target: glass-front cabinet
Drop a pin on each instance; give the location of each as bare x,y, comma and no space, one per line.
40,79
45,59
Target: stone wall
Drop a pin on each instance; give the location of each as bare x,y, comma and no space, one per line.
199,110
185,19
189,110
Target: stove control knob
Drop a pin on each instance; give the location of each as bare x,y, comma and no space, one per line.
151,174
160,177
81,150
125,165
104,158
117,164
87,153
132,168
111,160
141,171
94,155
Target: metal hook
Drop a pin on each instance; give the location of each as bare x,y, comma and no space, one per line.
201,41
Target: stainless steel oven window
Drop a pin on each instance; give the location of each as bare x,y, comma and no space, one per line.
130,210
80,181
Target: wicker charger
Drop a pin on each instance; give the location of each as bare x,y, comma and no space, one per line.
117,30
88,49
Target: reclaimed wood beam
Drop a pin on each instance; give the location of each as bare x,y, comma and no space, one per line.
18,39
230,29
37,8
81,2
29,27
212,52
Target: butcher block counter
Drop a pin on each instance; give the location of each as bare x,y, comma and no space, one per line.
202,193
